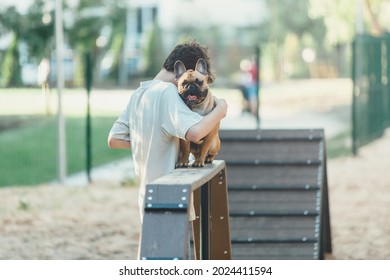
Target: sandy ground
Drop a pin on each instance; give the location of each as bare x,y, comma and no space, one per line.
101,221
359,193
48,222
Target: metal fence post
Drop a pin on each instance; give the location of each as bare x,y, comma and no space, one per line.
88,85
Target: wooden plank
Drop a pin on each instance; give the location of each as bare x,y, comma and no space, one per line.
269,196
326,245
288,175
192,176
270,208
272,134
196,225
167,207
274,187
172,232
220,226
272,222
161,197
245,228
270,151
272,201
272,251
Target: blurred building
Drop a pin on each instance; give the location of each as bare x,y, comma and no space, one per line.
174,16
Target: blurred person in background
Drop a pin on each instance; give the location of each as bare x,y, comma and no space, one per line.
43,81
248,85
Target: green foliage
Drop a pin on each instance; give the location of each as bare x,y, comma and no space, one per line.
116,51
291,16
39,35
29,29
10,68
10,20
83,37
117,17
339,18
91,17
154,52
291,19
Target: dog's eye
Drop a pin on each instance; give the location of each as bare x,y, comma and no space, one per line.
199,82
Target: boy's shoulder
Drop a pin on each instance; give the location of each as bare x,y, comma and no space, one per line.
156,85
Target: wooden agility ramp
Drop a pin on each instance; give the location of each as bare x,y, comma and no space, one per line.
278,196
166,232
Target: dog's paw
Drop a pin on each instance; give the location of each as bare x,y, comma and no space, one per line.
182,165
198,163
209,159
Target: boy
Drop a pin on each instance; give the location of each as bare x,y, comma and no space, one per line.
156,117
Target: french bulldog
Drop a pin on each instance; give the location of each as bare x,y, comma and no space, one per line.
195,92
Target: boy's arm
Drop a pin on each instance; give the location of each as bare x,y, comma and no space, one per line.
115,143
119,136
200,130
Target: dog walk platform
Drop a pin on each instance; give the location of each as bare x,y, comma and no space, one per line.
278,195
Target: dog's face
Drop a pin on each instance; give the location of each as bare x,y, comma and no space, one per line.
192,84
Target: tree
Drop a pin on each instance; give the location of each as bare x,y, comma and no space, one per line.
40,32
287,18
154,52
340,18
10,21
11,75
28,29
117,16
377,16
91,17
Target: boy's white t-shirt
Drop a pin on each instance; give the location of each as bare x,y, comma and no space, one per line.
154,120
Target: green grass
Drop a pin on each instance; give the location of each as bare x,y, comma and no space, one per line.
29,152
340,145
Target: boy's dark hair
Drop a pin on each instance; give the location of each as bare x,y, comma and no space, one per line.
189,52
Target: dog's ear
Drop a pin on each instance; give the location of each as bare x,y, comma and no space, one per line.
201,66
179,69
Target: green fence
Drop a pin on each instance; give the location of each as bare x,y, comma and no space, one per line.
371,101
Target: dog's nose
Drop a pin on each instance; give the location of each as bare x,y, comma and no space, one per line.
191,87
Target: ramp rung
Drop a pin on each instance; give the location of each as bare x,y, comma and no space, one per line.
161,258
273,214
276,240
273,163
304,187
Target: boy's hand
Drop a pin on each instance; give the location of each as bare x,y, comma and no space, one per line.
221,106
